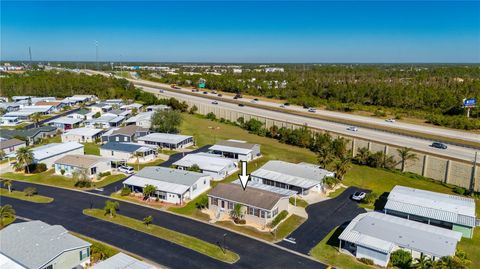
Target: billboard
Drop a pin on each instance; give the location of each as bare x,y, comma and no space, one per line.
201,85
471,102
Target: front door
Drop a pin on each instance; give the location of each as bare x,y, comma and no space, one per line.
223,204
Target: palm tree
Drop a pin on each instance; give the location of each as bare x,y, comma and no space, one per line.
423,262
236,213
80,175
406,155
341,167
36,117
25,157
8,184
325,157
362,155
111,208
6,212
137,155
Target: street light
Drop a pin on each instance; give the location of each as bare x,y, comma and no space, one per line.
224,241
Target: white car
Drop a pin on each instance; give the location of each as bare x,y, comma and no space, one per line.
126,169
214,103
312,110
352,128
390,120
358,196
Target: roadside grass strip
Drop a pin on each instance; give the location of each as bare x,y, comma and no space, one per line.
187,241
20,195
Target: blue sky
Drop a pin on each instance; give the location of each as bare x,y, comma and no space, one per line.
231,31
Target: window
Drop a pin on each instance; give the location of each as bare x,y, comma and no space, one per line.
48,267
275,212
125,139
230,205
84,254
215,201
117,138
93,170
194,187
113,153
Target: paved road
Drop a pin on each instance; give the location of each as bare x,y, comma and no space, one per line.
322,218
177,156
458,152
67,209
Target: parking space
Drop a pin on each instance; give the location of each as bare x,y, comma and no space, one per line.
322,218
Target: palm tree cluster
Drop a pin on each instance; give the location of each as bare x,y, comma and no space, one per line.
6,212
332,154
111,208
459,261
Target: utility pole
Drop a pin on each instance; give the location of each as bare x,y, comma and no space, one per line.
96,53
474,173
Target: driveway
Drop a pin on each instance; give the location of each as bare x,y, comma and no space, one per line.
322,218
67,208
177,156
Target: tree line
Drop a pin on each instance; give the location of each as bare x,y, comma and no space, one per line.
430,92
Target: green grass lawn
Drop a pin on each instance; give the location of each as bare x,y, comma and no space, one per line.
337,192
92,149
187,241
327,252
140,166
191,210
50,178
21,196
283,229
300,202
472,247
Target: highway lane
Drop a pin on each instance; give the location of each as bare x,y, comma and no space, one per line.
67,208
457,152
453,151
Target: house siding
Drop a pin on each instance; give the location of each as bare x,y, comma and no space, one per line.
70,259
51,160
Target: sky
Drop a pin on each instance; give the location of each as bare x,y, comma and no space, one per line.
242,31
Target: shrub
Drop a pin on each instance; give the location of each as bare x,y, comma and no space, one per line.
125,191
366,261
30,191
242,221
278,218
202,203
211,116
459,190
331,182
370,198
83,184
36,168
62,172
401,259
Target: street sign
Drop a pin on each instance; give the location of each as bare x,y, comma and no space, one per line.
471,102
201,85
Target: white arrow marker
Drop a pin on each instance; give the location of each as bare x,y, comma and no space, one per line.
244,177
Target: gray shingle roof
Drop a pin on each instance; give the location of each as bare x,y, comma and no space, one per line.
250,196
27,132
125,147
33,244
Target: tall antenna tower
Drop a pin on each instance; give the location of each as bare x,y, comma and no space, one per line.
30,55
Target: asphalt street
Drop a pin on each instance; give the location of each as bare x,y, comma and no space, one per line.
322,218
67,209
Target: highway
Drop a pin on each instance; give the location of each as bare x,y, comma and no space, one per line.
453,151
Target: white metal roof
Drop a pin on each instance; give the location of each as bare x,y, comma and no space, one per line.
19,113
140,117
85,131
384,232
164,138
35,243
65,120
303,175
222,148
122,261
439,206
165,179
208,162
49,150
37,108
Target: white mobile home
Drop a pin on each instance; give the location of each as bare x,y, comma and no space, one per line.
173,185
236,150
214,165
49,153
167,141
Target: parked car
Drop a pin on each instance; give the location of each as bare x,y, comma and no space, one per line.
438,145
126,169
358,196
390,120
214,103
312,110
352,128
241,105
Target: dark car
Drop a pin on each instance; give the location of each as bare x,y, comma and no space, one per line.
219,95
286,104
205,92
256,99
242,105
438,145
